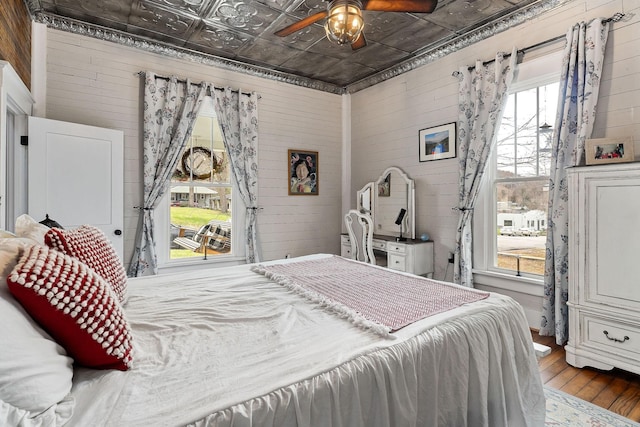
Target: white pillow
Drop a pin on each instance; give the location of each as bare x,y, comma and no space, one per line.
4,234
35,372
30,228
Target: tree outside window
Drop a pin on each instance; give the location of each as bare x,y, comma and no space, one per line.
523,150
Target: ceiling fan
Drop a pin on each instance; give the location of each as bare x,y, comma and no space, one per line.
344,22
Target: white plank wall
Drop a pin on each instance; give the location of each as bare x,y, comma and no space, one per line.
386,118
94,82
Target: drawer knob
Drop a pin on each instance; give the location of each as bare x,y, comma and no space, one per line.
606,334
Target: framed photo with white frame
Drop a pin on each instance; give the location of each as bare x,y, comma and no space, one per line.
609,150
437,143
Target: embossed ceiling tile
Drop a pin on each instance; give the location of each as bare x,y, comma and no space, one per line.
195,8
300,40
248,17
310,64
218,40
378,56
109,13
47,5
107,9
263,52
305,8
159,37
282,5
407,34
327,48
461,14
159,20
345,72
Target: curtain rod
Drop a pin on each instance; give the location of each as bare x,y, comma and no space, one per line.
142,73
520,52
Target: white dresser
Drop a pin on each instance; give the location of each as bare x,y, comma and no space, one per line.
604,263
411,256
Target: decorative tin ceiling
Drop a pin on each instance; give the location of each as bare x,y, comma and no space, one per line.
239,34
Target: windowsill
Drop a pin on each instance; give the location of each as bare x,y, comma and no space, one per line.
510,282
197,263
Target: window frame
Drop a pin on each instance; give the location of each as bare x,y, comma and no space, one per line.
162,221
530,74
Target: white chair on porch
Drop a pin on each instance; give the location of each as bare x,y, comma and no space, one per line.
360,229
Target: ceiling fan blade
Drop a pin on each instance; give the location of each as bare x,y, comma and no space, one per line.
359,43
297,26
417,6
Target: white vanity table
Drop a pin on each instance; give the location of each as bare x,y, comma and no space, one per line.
383,200
412,256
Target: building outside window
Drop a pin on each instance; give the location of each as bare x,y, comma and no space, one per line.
522,159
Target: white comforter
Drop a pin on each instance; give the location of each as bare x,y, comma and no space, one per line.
228,347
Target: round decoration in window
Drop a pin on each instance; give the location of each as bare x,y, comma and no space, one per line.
199,162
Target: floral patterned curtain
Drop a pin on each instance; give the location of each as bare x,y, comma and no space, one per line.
170,111
482,97
237,114
579,87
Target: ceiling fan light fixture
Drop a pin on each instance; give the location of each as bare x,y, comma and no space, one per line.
344,23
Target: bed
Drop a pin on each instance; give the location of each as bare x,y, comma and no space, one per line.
239,347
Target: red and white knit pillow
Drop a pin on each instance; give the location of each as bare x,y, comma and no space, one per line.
90,245
75,306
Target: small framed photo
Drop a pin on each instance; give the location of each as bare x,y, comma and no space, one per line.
437,143
303,173
384,187
609,150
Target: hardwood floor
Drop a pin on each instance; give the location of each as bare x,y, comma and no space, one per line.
616,390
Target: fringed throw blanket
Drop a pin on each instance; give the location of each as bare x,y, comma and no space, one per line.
373,298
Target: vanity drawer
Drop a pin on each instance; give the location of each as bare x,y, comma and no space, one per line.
611,336
395,247
379,244
396,262
344,239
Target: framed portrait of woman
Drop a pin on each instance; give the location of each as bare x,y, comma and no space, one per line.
303,173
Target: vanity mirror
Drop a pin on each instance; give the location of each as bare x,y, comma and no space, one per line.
385,199
365,199
390,202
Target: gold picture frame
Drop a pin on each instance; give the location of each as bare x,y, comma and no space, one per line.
609,150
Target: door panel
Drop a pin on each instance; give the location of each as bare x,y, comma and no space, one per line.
76,176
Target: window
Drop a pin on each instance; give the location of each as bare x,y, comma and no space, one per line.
510,217
200,209
521,179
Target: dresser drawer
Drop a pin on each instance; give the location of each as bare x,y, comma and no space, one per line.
396,262
611,336
397,248
344,239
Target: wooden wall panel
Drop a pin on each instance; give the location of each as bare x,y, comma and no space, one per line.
15,37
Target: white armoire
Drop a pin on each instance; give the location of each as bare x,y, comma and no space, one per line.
604,267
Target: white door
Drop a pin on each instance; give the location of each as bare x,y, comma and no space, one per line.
76,176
